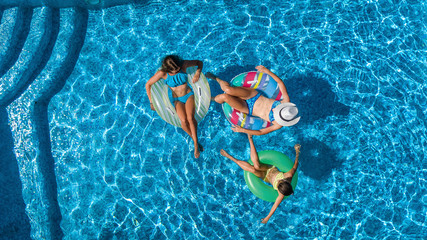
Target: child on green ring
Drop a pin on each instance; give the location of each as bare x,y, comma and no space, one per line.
281,181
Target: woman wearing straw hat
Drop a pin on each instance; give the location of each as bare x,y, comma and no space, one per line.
250,101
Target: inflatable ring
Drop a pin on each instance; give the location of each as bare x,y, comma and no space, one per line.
166,109
258,187
261,82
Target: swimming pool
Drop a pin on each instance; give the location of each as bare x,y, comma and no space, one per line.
81,125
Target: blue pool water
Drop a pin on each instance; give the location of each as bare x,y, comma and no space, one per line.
82,126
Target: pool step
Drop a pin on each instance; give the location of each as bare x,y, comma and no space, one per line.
1,14
14,29
34,55
30,128
26,57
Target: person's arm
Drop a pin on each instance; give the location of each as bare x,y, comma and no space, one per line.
190,63
294,168
256,132
150,82
273,209
279,81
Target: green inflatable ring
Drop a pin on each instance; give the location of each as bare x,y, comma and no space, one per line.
258,187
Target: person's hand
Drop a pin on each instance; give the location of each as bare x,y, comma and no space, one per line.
297,147
152,107
264,220
196,77
236,128
262,69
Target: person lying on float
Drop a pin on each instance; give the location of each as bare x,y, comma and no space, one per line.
173,73
249,101
282,182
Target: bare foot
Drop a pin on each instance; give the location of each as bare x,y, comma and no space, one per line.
222,83
196,153
197,149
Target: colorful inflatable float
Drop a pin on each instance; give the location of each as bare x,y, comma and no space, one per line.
261,82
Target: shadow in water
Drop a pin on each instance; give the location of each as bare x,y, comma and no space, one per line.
312,93
314,98
14,223
318,159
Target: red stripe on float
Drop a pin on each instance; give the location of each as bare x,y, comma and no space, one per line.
249,77
279,96
234,117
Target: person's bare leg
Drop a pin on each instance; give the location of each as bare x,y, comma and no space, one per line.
222,83
234,102
242,164
241,92
254,156
190,111
180,110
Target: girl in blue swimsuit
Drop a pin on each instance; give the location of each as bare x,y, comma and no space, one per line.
173,71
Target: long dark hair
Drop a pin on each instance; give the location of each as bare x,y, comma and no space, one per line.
171,63
285,188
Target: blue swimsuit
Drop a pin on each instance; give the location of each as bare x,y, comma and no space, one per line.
271,114
177,80
251,103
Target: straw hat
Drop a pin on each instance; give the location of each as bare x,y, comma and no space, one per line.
286,114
